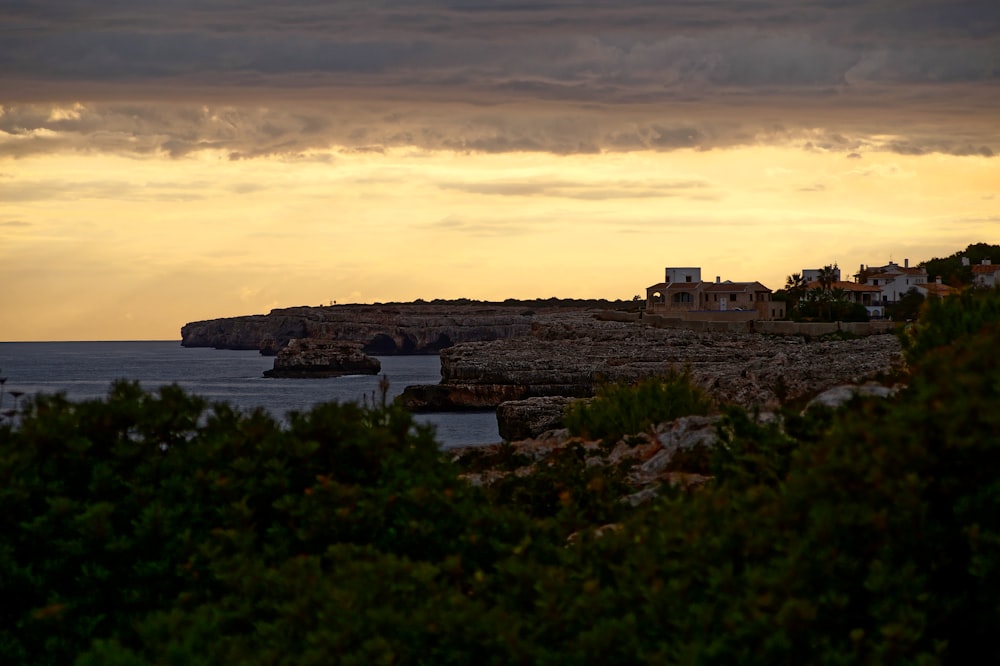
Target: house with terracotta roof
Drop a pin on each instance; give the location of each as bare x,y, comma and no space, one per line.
986,275
867,295
935,289
892,279
685,294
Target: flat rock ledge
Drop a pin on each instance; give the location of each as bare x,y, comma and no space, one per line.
307,358
573,354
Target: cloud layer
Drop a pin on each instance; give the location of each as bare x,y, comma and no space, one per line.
260,78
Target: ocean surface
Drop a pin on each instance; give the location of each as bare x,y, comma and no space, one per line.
85,370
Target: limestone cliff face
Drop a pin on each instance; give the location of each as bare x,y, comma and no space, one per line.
381,329
242,332
570,355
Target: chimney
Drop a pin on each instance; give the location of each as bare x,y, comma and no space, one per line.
718,279
987,262
937,280
906,263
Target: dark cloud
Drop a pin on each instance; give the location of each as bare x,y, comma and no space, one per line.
254,78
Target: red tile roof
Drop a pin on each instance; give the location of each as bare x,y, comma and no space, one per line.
988,269
935,289
846,286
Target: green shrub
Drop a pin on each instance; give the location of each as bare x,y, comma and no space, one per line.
944,320
620,409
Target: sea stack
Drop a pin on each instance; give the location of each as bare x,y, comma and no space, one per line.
311,357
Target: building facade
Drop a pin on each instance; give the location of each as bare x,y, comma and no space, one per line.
892,279
684,293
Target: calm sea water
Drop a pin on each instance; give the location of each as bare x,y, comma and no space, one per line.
84,370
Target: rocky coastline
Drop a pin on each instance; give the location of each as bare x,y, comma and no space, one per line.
528,363
404,328
571,355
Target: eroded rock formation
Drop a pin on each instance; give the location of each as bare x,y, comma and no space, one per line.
525,419
571,354
408,328
308,358
674,453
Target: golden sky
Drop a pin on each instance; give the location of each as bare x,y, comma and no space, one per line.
160,166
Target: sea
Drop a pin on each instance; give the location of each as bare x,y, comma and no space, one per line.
86,370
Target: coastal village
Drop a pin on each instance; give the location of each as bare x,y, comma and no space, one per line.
684,294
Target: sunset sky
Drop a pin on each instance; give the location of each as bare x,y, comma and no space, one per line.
169,161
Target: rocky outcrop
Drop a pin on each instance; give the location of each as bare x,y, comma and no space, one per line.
408,328
839,396
477,397
571,354
525,419
306,358
674,453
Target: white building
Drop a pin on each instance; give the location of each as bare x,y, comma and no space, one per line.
892,279
986,275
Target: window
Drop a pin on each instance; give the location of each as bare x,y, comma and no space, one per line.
732,297
687,278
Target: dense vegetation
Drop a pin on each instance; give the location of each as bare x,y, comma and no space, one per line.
819,300
951,269
621,409
155,529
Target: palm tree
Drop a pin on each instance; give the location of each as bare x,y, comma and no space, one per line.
827,277
795,287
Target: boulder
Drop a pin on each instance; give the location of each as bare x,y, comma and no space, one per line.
308,358
525,419
684,434
841,395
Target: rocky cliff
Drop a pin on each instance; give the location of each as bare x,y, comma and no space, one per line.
408,328
572,353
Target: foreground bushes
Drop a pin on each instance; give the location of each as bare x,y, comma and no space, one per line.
153,529
621,409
